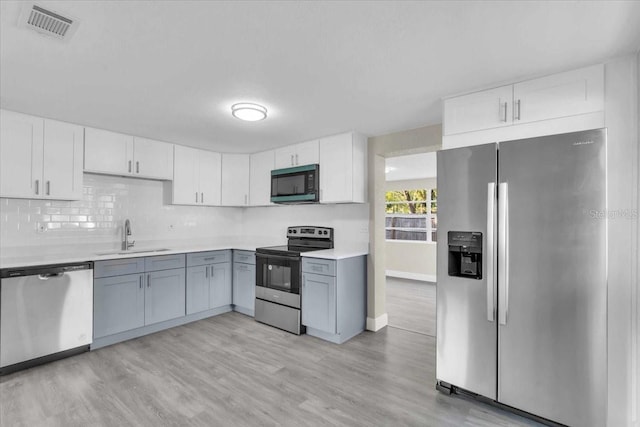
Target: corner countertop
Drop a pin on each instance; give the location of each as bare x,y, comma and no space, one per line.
339,253
66,254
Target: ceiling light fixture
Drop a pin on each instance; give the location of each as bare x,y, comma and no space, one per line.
249,112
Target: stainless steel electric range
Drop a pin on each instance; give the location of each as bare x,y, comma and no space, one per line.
279,275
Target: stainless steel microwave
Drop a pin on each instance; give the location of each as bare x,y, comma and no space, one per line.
298,184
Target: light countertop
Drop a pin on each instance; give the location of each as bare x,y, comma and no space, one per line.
29,257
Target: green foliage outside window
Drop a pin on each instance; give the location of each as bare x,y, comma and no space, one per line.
411,214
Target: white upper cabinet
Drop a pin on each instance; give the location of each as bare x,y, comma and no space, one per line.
196,177
117,154
565,94
343,176
210,166
186,176
480,110
39,158
153,159
304,153
108,152
235,180
565,102
21,148
62,166
261,165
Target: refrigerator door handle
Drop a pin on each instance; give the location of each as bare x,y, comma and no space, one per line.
491,280
503,252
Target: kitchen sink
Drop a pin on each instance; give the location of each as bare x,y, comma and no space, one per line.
136,251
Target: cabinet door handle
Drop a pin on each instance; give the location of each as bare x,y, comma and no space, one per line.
503,114
137,167
140,281
296,159
516,110
148,280
201,197
206,272
37,186
245,199
48,188
129,166
292,160
196,197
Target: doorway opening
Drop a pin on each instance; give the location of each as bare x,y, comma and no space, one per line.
411,218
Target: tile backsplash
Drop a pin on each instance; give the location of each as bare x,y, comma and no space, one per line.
98,218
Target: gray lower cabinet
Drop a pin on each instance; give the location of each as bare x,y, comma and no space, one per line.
208,280
118,304
334,297
244,282
197,289
220,292
319,296
123,302
164,295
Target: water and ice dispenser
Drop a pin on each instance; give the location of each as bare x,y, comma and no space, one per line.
465,254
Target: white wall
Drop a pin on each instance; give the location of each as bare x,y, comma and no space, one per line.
621,119
412,141
98,218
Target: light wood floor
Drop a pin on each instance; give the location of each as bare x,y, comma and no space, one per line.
411,305
232,371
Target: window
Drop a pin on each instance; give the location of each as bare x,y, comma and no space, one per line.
412,215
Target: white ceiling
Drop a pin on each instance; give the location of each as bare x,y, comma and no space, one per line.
413,166
171,69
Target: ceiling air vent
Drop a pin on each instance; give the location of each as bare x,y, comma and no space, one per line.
47,22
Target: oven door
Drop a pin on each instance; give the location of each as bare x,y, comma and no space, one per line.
280,273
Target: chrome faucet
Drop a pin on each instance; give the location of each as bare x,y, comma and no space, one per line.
126,244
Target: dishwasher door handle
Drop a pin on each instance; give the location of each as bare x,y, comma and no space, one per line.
47,276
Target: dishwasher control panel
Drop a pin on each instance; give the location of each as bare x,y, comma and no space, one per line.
44,269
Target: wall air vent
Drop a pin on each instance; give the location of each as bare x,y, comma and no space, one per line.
47,22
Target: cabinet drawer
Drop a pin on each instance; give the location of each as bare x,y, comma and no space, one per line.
245,257
319,266
210,257
118,267
164,262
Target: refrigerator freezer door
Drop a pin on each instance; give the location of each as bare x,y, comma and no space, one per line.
466,323
552,339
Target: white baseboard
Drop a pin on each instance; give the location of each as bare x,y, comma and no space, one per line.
377,323
412,276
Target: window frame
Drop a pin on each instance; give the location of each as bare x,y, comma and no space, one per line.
429,216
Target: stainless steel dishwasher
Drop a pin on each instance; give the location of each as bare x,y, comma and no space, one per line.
46,313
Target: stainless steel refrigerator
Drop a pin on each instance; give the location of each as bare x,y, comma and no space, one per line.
522,275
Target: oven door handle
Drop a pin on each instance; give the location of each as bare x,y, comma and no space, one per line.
282,257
